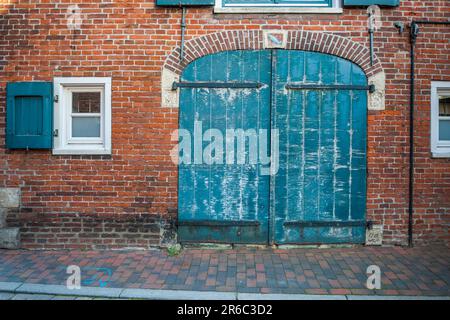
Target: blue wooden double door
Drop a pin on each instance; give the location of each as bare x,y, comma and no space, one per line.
272,149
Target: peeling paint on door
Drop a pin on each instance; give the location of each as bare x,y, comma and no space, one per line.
225,202
319,193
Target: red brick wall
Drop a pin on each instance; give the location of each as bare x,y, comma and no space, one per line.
432,187
120,201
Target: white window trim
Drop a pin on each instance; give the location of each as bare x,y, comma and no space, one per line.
439,149
274,8
63,144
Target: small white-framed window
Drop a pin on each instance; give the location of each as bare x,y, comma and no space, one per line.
278,6
440,119
82,116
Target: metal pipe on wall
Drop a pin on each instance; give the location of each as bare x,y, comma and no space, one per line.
183,32
414,33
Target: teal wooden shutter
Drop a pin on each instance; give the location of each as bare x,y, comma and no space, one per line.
390,3
29,115
185,2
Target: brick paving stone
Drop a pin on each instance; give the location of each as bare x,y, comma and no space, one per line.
416,271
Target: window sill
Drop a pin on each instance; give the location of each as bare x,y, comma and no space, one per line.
281,10
441,154
76,152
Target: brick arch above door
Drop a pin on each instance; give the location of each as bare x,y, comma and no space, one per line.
322,42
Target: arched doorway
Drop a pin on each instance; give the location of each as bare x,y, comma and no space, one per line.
306,109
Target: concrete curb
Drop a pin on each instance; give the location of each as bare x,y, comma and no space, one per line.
176,295
287,297
10,286
413,298
150,294
62,290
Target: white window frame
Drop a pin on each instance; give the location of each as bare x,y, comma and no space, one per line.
439,149
64,143
277,8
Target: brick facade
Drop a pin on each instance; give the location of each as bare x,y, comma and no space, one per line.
129,199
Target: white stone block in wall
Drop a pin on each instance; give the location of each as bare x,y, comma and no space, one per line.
9,197
374,236
9,238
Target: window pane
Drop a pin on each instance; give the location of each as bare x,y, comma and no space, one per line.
444,106
444,130
277,2
249,1
86,102
86,127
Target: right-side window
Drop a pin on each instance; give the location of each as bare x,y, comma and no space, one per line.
440,119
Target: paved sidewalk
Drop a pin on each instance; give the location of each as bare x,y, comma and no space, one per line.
408,272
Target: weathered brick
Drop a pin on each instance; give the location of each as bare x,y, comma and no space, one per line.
73,201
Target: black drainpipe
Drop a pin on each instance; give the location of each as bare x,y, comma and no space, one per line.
413,37
183,32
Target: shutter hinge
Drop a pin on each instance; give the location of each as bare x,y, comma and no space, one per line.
55,133
56,98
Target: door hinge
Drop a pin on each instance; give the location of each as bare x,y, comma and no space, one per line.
300,86
56,98
55,133
218,223
217,85
325,224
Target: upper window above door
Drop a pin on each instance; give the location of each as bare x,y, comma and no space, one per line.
278,6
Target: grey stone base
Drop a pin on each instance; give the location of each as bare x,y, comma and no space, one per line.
10,238
90,231
3,217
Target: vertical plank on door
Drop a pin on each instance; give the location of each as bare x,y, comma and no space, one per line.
221,191
322,149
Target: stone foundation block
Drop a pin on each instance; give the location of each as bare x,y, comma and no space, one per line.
3,217
9,238
9,197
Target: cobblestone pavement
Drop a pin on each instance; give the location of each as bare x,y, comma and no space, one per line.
336,271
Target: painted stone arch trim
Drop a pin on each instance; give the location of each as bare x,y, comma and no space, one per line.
257,40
